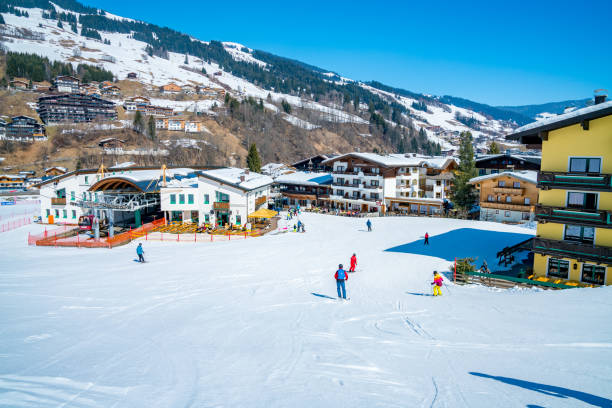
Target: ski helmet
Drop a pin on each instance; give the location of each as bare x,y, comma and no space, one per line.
435,272
340,266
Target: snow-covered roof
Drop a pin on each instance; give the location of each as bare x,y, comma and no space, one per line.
398,160
305,178
233,176
13,176
124,164
563,120
57,168
529,176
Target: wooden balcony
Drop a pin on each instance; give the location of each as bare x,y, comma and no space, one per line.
505,206
573,250
58,201
508,190
582,181
220,205
591,218
259,201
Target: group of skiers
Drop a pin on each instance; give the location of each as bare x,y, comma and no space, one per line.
341,277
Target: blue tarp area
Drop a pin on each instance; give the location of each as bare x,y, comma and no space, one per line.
462,243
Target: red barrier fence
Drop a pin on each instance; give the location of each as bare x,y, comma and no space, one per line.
16,223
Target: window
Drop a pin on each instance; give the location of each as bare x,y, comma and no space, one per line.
65,213
181,198
73,214
190,199
72,196
374,196
438,182
56,213
86,179
206,218
507,214
593,274
355,194
558,268
375,170
374,183
499,198
340,192
206,199
509,200
584,165
238,220
490,197
527,201
579,233
415,170
495,171
501,183
48,212
496,212
482,172
355,182
586,201
516,184
340,168
438,195
221,198
172,198
84,196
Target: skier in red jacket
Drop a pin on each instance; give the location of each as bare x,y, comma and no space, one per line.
353,263
426,239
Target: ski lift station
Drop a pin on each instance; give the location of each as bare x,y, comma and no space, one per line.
113,199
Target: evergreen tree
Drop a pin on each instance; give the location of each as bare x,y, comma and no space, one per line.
356,102
253,160
186,60
2,19
493,148
138,123
59,24
462,191
151,128
204,70
414,146
286,106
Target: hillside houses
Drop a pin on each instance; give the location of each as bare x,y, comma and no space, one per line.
22,129
177,123
19,83
142,104
170,89
66,84
75,108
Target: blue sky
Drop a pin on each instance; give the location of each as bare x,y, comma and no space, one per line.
500,53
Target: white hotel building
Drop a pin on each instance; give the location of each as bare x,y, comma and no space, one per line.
370,182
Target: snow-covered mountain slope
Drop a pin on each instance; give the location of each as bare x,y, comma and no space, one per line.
42,36
256,323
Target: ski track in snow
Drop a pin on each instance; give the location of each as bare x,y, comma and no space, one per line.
255,323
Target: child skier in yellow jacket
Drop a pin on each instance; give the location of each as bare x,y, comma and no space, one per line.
437,284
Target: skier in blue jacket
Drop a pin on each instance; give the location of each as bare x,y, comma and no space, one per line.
140,253
341,276
369,224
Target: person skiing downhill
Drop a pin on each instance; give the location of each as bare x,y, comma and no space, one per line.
341,276
437,284
426,239
369,224
353,263
140,253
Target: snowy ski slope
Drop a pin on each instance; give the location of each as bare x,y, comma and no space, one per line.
255,323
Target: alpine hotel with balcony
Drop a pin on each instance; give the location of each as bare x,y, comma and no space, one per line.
574,210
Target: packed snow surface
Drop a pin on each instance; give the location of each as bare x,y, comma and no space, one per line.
256,323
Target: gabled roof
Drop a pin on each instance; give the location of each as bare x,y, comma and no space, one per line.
529,176
530,134
398,160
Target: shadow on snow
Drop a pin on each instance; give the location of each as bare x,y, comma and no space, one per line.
462,243
551,390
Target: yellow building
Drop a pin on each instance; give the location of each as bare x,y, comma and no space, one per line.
574,211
